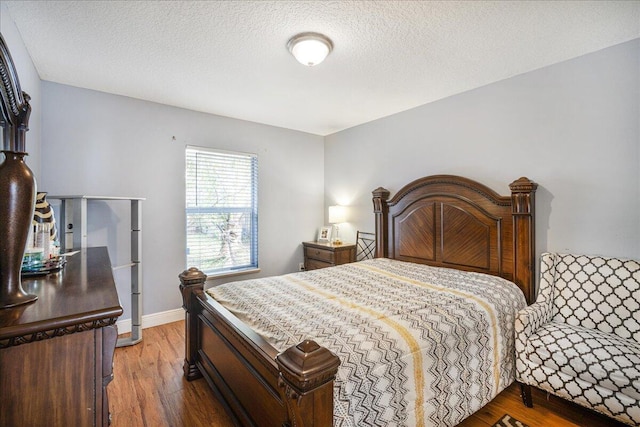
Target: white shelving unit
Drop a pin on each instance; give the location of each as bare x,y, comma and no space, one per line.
73,235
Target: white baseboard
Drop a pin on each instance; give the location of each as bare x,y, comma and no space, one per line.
150,320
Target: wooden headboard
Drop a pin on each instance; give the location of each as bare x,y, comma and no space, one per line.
455,222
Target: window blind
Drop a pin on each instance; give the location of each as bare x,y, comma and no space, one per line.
221,210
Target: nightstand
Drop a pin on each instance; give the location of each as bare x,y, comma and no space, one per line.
321,255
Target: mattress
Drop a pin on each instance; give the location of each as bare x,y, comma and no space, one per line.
419,345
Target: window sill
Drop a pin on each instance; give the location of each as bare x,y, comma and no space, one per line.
226,274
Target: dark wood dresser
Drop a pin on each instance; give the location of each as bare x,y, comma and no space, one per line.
321,255
56,354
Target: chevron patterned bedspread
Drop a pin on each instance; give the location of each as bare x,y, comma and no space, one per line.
419,346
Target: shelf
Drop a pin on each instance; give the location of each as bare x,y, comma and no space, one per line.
73,217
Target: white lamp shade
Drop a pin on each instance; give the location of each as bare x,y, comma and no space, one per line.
337,214
310,48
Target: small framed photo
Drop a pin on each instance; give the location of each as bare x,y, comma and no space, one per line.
324,235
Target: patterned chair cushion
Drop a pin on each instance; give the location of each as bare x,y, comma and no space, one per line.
616,405
592,356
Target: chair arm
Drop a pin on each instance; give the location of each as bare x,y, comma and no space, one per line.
528,320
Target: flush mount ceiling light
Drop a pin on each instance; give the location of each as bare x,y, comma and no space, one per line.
310,48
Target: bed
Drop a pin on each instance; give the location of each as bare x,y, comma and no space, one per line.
436,229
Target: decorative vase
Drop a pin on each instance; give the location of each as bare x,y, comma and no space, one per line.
44,223
17,197
17,183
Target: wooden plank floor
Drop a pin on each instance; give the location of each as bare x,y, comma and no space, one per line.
149,390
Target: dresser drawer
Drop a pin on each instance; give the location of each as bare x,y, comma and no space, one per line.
320,254
314,264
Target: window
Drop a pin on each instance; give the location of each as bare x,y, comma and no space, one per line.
221,210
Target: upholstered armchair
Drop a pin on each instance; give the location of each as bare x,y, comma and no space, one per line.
580,340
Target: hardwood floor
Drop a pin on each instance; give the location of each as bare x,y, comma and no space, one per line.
149,390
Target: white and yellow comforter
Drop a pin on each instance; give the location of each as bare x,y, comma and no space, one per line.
419,346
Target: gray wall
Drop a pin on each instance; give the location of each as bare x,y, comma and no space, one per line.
29,82
572,127
107,145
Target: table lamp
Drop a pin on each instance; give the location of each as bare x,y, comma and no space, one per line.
337,215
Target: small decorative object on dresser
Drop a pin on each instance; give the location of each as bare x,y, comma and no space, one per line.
324,234
44,224
324,254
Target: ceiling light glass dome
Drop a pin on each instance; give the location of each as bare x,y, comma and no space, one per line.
310,48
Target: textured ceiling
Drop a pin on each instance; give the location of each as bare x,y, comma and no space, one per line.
230,58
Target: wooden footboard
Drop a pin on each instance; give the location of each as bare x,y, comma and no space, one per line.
257,385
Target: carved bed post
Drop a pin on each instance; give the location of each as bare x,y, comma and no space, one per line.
191,281
307,371
523,192
381,211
